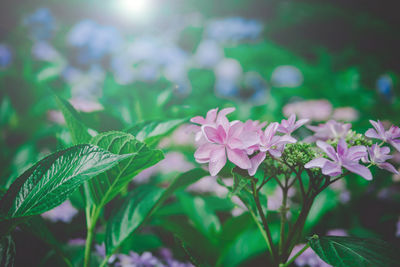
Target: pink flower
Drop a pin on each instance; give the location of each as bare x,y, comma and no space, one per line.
345,114
225,139
379,155
329,130
270,142
342,157
290,125
316,110
392,136
213,117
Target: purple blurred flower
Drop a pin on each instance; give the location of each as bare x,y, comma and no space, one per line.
167,257
77,242
135,260
378,156
391,136
40,24
64,213
398,228
337,232
317,110
286,76
308,257
329,130
290,125
5,56
345,114
343,157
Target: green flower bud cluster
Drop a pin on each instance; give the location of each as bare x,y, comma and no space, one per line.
357,139
298,154
271,167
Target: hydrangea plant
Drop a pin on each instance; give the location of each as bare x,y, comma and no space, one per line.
261,153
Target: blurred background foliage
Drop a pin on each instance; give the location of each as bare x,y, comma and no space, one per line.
177,59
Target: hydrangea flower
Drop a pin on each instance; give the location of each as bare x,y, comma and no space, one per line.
384,86
5,56
316,110
331,130
286,76
391,136
63,213
135,260
290,125
228,73
44,51
341,157
208,54
40,24
378,156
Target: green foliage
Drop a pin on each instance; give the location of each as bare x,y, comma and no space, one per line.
7,251
79,132
49,182
106,186
150,132
342,251
139,205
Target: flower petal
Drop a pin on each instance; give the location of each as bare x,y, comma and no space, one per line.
332,169
217,160
255,162
387,166
328,149
214,135
359,169
316,163
356,152
198,120
371,133
239,158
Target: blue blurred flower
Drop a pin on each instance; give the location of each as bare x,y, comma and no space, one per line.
234,29
64,213
92,42
40,24
208,54
44,51
384,85
6,56
286,76
228,73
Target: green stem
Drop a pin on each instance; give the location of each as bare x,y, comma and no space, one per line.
91,225
283,220
295,256
264,220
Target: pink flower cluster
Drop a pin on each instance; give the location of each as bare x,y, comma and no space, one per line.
243,143
246,144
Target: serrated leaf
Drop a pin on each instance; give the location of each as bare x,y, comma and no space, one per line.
50,181
139,205
106,186
152,131
79,131
344,251
7,251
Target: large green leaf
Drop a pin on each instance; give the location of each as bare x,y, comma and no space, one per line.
7,251
79,131
50,181
152,131
106,186
139,205
343,251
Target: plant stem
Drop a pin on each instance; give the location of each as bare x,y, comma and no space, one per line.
283,219
295,256
264,220
91,225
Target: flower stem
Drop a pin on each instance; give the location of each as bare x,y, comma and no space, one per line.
91,224
295,256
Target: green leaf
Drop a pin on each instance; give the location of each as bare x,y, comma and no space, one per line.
50,181
344,251
7,251
204,219
106,186
139,205
79,131
240,181
152,131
